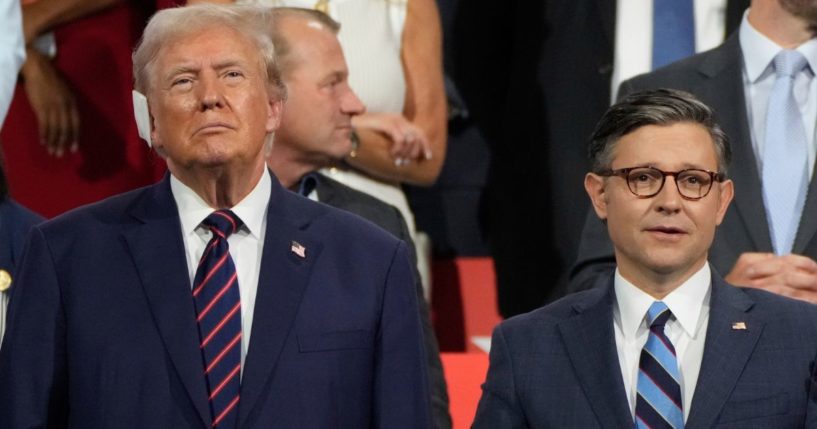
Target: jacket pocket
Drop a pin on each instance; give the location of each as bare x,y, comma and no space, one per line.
753,408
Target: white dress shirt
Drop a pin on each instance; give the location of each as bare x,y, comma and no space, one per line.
633,45
758,79
686,329
246,245
12,51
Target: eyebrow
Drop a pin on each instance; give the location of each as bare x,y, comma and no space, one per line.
188,68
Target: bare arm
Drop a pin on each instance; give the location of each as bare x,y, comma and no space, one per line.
425,107
43,15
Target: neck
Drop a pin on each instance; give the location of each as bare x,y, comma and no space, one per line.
658,284
783,28
289,166
220,187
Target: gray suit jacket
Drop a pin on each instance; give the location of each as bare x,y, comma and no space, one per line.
338,195
557,367
716,78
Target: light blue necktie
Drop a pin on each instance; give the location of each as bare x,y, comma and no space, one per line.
673,31
785,155
658,402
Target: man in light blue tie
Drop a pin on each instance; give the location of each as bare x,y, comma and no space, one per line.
761,84
666,342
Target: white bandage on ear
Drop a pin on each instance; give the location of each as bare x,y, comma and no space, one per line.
142,116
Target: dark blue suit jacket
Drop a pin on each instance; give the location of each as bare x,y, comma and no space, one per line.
557,367
102,332
15,222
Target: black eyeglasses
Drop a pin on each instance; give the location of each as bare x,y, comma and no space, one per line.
647,182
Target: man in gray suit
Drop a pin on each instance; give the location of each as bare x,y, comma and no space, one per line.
666,343
315,133
736,80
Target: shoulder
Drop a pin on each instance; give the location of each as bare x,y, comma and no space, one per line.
18,216
779,309
364,205
685,74
547,319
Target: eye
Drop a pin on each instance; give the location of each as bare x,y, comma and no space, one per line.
182,81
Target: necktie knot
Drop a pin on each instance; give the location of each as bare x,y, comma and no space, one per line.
658,314
223,222
308,184
789,62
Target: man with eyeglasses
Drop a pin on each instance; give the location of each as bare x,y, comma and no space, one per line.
666,343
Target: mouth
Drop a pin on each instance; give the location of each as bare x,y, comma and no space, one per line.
670,232
214,127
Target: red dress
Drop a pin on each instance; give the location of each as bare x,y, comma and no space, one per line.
94,58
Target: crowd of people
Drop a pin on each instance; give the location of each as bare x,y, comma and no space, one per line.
257,262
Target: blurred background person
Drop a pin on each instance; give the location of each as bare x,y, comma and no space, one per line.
394,52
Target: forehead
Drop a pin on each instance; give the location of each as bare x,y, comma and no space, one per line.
312,44
207,45
675,146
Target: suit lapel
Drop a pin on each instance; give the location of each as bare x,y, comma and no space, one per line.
723,91
726,352
591,346
162,267
283,279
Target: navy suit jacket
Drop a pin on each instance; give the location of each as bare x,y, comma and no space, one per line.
557,367
102,331
15,221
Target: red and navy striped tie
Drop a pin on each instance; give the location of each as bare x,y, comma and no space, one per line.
658,400
218,313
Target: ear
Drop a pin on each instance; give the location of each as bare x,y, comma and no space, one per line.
594,185
727,192
275,109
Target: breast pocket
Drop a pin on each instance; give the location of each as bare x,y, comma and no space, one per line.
771,405
337,340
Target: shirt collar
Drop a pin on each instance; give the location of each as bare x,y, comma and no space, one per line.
759,51
252,210
686,302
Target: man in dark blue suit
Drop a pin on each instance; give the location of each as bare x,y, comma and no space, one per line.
112,324
667,343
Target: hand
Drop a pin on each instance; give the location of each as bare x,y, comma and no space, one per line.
409,142
53,104
791,275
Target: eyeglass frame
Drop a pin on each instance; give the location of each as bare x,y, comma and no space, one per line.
623,172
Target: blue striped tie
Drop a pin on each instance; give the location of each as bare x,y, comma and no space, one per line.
658,401
785,154
218,313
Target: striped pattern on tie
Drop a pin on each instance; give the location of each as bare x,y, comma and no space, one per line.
218,313
658,400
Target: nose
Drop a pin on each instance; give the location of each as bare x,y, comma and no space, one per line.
210,93
350,104
669,200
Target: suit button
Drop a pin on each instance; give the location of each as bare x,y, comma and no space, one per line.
605,68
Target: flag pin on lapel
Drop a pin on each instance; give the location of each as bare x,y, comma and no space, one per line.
298,249
739,326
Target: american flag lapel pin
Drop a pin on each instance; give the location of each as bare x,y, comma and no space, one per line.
298,249
739,326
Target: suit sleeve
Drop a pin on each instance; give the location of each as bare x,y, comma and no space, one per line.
499,405
401,398
33,374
